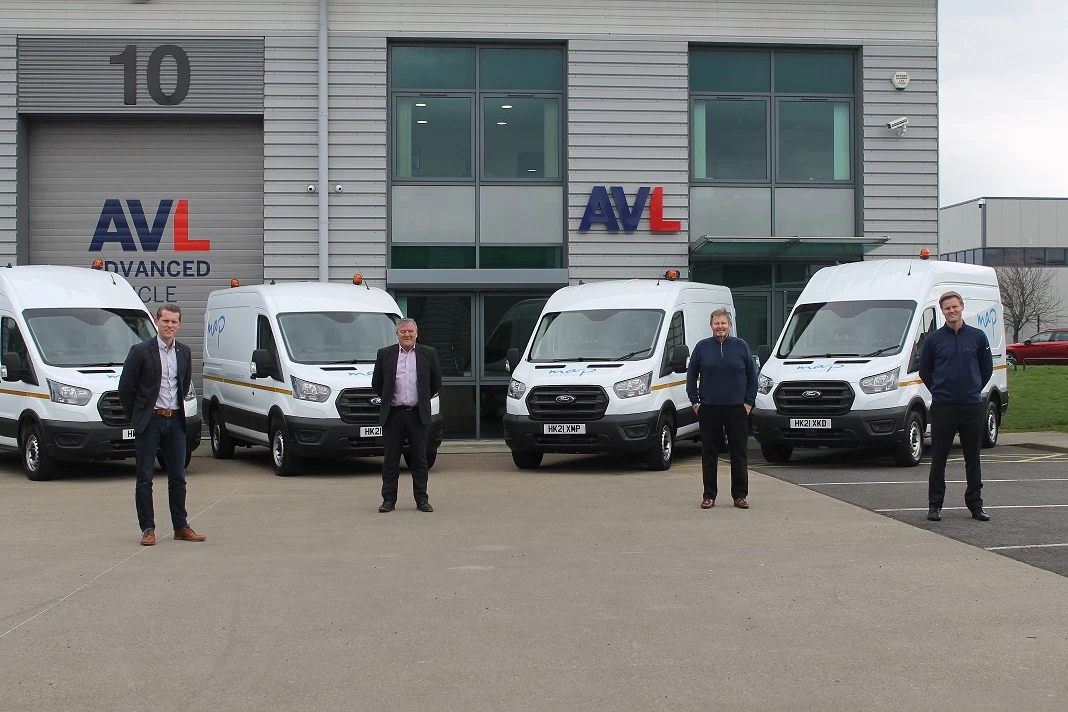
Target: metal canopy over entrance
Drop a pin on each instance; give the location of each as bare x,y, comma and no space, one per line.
846,249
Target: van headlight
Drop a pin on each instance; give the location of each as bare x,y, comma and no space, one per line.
880,382
516,389
191,394
308,391
765,384
70,395
634,386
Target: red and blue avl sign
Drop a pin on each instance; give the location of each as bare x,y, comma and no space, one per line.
113,230
599,209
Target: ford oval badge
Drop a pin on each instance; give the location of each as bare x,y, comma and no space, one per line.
811,394
565,399
376,401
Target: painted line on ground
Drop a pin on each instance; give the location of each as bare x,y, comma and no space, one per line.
923,482
1025,546
985,506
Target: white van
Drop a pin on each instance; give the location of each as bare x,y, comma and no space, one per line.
845,371
605,370
289,366
66,332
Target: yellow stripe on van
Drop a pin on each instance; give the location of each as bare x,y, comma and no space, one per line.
669,385
283,391
28,394
1002,366
910,383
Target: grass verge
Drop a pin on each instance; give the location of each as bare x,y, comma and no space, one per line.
1038,399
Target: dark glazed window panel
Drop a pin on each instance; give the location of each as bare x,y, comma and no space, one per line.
444,322
432,257
814,141
458,410
813,73
522,69
432,137
491,410
529,257
509,320
730,139
733,276
432,68
521,138
729,71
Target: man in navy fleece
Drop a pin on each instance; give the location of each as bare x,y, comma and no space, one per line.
955,364
723,399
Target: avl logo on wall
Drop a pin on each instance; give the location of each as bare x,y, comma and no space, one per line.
599,210
113,228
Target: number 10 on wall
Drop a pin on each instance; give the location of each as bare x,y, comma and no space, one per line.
128,60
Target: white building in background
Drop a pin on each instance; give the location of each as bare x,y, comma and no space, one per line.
1009,231
468,156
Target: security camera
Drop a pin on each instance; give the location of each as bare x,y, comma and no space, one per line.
311,188
898,124
339,188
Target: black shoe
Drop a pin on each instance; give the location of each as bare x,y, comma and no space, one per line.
424,507
934,514
980,514
387,506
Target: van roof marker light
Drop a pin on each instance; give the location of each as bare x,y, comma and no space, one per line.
357,279
671,275
98,263
234,283
925,253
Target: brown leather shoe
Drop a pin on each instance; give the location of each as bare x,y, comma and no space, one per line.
148,538
708,504
187,534
741,504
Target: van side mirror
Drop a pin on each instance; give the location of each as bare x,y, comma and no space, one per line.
11,369
513,360
261,364
677,359
763,353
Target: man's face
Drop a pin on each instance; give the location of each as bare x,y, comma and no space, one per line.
952,309
167,323
721,326
406,335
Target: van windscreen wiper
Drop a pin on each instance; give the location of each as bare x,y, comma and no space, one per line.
883,350
632,354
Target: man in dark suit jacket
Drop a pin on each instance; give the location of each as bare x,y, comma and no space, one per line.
152,388
406,376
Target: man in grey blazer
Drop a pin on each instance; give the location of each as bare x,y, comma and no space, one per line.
152,388
406,376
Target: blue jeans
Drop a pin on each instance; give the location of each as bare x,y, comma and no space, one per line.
167,436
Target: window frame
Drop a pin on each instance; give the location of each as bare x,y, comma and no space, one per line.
768,137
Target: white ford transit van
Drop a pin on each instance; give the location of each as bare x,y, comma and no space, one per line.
66,332
605,370
845,371
289,366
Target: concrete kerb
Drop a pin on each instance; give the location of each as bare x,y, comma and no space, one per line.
1048,441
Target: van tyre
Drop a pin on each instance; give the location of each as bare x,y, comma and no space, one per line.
35,461
526,459
659,456
991,425
222,445
909,451
431,458
776,453
282,460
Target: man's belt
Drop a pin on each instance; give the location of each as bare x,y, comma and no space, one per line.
165,412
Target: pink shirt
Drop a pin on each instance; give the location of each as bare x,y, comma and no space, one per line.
406,388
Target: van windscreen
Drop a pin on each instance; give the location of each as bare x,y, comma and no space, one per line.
861,328
336,337
87,336
597,335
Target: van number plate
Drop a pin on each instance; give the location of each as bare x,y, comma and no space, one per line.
564,429
810,422
128,434
371,432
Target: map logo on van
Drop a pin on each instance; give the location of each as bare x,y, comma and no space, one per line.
599,210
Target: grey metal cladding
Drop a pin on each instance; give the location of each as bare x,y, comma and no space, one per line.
160,75
8,150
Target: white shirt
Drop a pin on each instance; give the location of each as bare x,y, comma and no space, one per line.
168,383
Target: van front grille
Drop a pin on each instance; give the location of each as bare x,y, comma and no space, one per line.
813,399
567,403
354,406
111,412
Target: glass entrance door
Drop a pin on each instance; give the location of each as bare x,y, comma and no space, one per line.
752,316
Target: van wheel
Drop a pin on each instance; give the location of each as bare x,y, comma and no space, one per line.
35,461
526,459
993,425
909,451
283,462
659,456
776,453
431,458
222,446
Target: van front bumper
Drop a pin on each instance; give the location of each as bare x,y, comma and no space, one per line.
858,428
611,433
68,441
333,437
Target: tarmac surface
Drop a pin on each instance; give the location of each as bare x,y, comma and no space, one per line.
589,583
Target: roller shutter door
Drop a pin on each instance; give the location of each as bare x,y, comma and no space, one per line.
176,206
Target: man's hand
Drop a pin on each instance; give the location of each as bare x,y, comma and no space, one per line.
696,407
748,409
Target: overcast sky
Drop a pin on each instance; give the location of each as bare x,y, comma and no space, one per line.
1003,103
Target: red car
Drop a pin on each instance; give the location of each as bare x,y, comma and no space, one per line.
1045,347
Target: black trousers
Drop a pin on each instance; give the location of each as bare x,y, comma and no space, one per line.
403,421
713,419
164,435
947,420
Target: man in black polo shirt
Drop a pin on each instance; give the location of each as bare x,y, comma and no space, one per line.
955,364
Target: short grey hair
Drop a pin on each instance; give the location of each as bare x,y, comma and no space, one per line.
720,312
404,321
